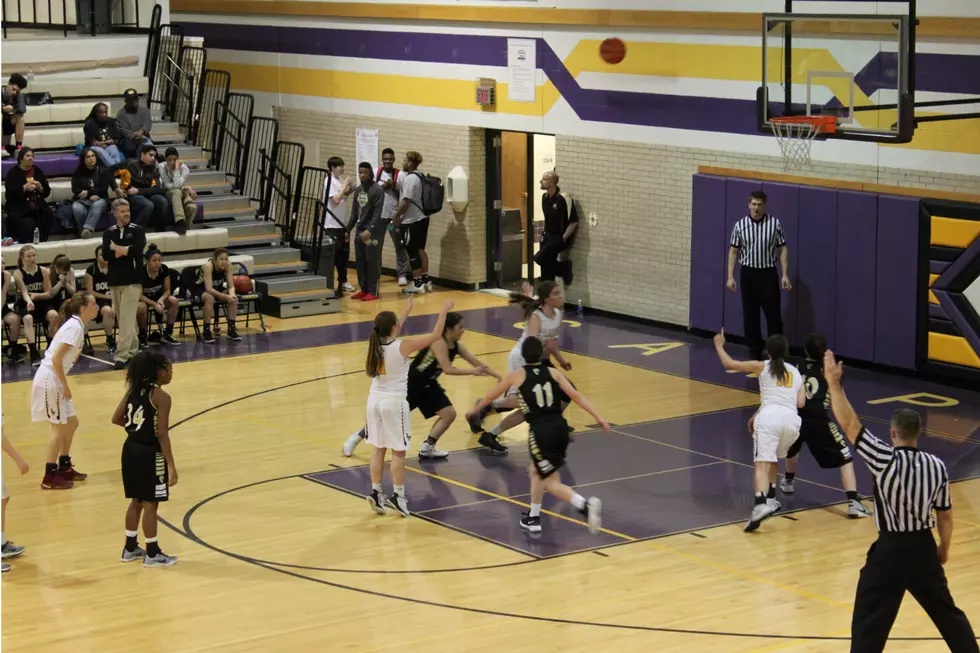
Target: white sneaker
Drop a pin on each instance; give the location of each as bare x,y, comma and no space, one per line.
774,504
412,289
347,287
398,503
857,510
428,287
351,444
760,512
5,155
787,487
429,451
402,281
594,514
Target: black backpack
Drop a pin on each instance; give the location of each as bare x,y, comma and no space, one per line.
433,194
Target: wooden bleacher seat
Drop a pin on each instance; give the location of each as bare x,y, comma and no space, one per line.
58,113
99,87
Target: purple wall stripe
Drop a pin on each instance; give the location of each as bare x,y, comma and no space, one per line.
784,203
709,251
956,316
896,309
956,268
816,279
938,267
938,312
854,319
736,207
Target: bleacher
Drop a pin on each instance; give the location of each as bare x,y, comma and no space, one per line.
225,218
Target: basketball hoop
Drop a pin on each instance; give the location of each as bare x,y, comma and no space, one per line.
795,135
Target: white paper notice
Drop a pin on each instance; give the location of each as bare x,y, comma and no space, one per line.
366,148
521,70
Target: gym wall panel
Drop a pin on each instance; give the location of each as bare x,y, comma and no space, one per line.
855,287
736,207
897,280
784,203
815,281
709,249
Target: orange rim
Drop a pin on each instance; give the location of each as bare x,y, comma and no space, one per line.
821,124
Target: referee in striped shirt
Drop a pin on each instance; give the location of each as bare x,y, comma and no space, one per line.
758,236
909,486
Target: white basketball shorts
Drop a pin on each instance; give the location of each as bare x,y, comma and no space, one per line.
47,402
389,423
776,429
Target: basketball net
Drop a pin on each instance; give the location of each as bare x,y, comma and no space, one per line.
795,136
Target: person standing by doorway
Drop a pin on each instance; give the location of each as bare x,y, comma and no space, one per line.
757,241
336,188
560,226
390,180
413,223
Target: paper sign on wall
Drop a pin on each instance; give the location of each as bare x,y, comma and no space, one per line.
521,70
366,147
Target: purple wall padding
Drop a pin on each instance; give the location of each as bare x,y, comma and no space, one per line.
814,284
857,235
897,280
736,207
784,203
709,250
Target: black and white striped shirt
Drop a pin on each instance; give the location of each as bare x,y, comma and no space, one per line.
909,485
758,241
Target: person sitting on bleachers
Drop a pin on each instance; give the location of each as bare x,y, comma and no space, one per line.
97,283
146,198
11,319
215,283
14,108
34,291
135,123
63,286
93,186
102,135
156,298
27,189
173,176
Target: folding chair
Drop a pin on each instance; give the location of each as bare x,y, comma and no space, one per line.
249,300
185,293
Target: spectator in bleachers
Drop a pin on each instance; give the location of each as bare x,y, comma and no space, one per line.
157,298
34,289
61,278
93,186
97,283
215,283
27,190
336,188
102,135
11,319
146,196
135,122
14,108
125,243
173,176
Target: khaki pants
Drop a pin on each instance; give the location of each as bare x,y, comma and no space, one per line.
185,210
125,301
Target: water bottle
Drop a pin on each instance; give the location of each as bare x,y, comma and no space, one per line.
580,311
37,236
30,75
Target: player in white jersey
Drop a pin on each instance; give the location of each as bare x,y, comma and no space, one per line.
10,550
389,424
51,395
776,425
542,320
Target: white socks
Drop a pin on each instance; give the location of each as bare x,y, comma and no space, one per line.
495,430
400,491
535,510
578,501
377,488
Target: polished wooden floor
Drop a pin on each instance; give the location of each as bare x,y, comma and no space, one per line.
70,592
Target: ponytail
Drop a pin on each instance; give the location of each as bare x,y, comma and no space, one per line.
145,369
74,305
384,325
778,348
530,304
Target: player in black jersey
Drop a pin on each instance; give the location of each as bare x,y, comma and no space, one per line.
97,283
540,390
820,433
148,468
34,293
424,391
156,298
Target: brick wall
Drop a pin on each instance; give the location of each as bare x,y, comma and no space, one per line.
636,261
457,241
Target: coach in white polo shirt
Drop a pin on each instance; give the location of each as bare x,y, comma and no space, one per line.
757,241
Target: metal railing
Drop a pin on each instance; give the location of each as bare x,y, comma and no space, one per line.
118,17
214,89
179,91
278,198
231,137
310,214
169,41
262,135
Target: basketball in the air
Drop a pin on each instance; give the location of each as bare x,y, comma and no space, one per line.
612,51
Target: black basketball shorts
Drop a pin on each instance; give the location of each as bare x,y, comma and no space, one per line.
429,398
144,472
825,441
547,442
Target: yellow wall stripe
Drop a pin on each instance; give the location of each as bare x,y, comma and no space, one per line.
932,298
954,232
952,349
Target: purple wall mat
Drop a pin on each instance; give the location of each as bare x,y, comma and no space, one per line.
736,207
814,285
708,253
897,281
784,203
857,237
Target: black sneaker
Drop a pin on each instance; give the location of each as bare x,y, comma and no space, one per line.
36,359
207,337
143,343
377,502
529,523
233,334
110,346
154,338
169,339
180,227
476,422
120,365
489,441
